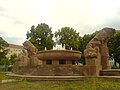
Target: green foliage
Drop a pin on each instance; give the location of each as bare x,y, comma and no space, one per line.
86,39
41,36
3,58
3,52
68,36
2,76
4,61
115,67
114,47
12,59
23,81
3,43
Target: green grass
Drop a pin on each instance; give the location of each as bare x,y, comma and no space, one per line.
2,76
84,84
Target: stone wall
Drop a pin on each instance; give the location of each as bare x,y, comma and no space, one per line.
52,70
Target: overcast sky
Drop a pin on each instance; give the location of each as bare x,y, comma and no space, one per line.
85,16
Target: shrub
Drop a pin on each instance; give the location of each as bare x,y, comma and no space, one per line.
115,67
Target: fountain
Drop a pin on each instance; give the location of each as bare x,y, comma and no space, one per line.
59,63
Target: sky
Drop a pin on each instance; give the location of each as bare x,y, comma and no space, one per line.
85,16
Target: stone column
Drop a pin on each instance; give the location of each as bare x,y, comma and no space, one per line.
55,62
105,56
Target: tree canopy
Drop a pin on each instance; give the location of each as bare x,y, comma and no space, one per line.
114,47
68,36
3,43
85,40
12,59
41,36
3,52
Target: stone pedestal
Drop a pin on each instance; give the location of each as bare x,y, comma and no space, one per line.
92,67
91,70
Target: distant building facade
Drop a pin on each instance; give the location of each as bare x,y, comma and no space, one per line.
14,49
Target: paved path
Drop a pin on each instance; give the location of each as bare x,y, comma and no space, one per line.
8,80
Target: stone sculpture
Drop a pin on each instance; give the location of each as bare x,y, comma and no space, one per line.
32,50
28,58
32,53
22,59
97,50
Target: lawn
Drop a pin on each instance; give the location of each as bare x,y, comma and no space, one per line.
83,84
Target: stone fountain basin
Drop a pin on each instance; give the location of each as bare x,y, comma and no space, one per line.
59,55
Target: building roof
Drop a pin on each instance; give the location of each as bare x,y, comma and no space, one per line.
15,46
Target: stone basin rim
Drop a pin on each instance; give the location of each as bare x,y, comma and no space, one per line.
68,51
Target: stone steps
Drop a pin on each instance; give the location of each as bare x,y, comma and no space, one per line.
40,78
60,78
111,72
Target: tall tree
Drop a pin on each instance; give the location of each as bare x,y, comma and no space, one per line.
114,47
68,36
3,52
83,42
41,36
3,43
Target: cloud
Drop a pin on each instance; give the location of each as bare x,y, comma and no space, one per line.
114,22
11,39
4,12
15,20
2,9
14,40
85,16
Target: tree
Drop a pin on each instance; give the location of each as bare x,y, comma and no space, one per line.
3,43
68,36
86,39
41,36
3,52
114,47
83,42
3,58
13,59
